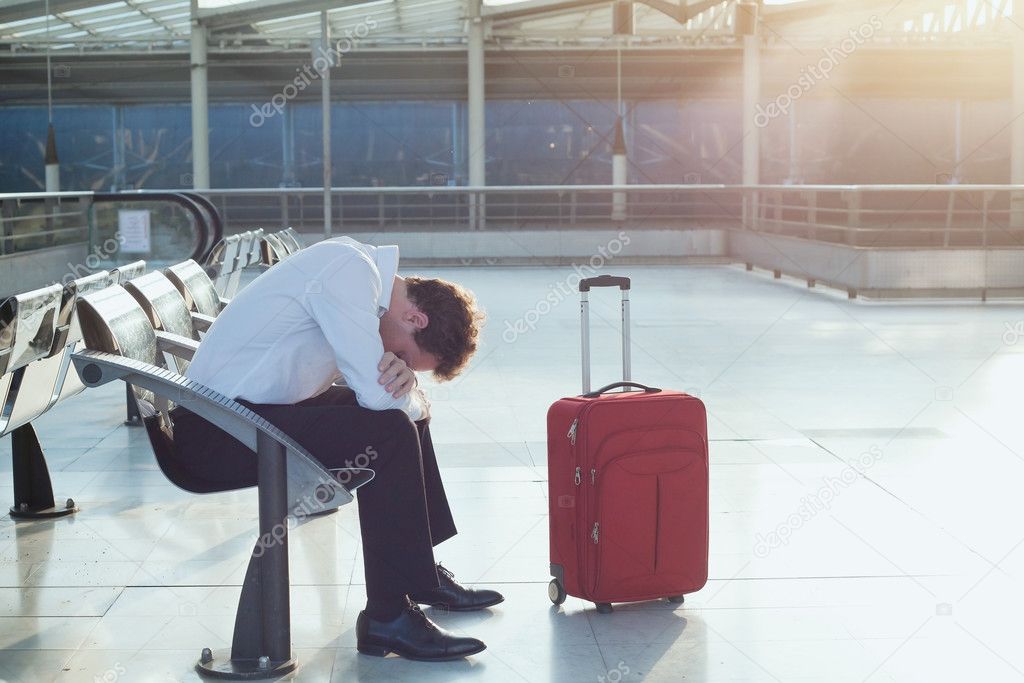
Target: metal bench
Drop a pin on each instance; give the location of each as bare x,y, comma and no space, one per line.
124,346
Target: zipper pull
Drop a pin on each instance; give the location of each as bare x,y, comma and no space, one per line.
572,431
596,533
593,476
577,480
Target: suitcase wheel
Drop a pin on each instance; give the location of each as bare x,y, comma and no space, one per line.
676,599
556,592
604,607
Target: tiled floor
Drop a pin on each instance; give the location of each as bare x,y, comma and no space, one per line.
866,478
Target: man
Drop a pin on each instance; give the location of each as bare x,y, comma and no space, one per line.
338,310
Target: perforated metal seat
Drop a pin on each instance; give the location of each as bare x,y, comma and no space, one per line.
40,380
296,237
123,274
30,320
289,240
167,312
222,262
273,250
196,287
255,257
163,303
70,383
242,261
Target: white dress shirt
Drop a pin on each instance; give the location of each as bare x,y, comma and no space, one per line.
309,321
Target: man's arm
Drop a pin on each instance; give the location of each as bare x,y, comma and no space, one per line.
342,299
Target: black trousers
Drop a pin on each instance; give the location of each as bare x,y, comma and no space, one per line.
403,512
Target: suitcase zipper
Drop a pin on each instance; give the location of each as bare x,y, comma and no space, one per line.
577,479
572,431
596,533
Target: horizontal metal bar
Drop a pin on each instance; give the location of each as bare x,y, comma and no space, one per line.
44,233
140,195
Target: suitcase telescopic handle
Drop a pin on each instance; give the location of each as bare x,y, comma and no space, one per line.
617,385
603,281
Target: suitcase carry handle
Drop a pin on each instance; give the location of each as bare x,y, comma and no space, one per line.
604,281
617,385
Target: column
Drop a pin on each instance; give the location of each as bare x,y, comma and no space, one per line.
476,116
1017,139
200,110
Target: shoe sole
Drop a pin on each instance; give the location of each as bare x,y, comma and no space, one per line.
381,651
445,606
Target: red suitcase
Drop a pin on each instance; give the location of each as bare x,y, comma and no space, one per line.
628,485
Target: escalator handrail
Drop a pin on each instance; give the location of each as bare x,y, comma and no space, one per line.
197,209
216,232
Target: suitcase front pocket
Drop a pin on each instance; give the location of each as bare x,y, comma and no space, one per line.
651,524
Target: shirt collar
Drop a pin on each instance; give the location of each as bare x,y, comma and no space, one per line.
386,258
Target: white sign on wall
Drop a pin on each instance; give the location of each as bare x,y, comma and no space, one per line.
133,226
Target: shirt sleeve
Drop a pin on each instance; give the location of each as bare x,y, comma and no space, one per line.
343,300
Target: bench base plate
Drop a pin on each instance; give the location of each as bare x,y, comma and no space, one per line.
43,513
221,666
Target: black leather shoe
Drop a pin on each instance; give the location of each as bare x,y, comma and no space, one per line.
451,596
413,636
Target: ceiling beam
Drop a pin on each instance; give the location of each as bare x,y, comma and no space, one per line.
246,14
26,9
681,11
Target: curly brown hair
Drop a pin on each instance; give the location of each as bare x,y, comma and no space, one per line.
453,323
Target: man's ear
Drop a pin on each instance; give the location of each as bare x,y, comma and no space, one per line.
417,317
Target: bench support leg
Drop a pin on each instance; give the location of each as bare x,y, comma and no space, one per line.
261,646
33,492
132,417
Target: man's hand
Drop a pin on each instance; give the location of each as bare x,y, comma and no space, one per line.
397,377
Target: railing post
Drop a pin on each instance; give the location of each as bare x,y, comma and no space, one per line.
853,220
986,199
6,213
812,214
380,209
572,208
950,204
